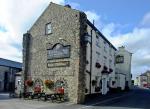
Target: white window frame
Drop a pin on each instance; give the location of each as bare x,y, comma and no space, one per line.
48,28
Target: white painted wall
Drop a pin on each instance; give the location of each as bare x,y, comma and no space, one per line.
125,67
121,81
102,53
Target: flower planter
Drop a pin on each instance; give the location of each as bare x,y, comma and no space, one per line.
97,65
29,83
105,68
37,89
104,72
110,70
49,84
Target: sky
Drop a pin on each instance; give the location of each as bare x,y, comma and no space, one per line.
123,22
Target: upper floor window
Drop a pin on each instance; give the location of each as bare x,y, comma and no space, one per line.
98,54
97,36
48,28
119,59
105,46
110,51
97,43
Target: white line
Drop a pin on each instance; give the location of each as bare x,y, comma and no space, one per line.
103,101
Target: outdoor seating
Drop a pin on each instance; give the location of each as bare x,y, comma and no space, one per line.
27,95
57,94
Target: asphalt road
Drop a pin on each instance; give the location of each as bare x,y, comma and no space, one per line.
135,99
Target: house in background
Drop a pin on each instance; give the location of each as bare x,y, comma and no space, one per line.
137,81
8,69
143,80
123,68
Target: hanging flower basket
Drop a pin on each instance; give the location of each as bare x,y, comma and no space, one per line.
110,70
105,68
49,83
98,65
29,83
105,72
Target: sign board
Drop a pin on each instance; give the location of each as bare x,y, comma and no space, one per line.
119,59
58,51
58,64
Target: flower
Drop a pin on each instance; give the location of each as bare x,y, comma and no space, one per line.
29,83
98,65
49,83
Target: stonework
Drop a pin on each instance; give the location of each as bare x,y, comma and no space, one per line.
73,53
68,26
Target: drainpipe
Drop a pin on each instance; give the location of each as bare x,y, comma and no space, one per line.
91,61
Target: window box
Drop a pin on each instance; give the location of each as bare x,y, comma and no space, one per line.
104,72
110,70
105,68
97,65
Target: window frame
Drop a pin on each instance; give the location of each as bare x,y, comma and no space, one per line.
46,28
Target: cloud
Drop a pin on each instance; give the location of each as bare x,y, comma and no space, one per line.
146,20
16,17
136,41
92,15
74,5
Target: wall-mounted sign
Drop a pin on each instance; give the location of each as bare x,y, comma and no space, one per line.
58,64
58,51
119,59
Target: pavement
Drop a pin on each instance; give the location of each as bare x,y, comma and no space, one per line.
134,99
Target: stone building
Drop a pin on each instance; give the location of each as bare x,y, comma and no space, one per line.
65,47
8,69
143,80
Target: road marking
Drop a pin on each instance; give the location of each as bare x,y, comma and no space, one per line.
103,101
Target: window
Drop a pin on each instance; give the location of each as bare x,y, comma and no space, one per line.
110,51
98,44
119,59
48,28
110,63
105,46
97,36
97,41
98,54
105,59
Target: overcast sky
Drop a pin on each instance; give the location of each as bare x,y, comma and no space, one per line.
123,22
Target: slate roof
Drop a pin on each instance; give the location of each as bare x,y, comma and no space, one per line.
9,63
89,23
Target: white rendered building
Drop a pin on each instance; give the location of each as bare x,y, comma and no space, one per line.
102,57
123,67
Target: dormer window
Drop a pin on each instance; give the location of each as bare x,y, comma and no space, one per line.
48,28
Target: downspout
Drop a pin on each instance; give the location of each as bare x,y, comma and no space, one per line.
91,62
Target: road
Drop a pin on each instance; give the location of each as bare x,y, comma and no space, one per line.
135,99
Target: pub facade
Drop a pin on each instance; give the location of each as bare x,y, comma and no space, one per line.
63,49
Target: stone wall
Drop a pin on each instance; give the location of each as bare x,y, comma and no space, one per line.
68,26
